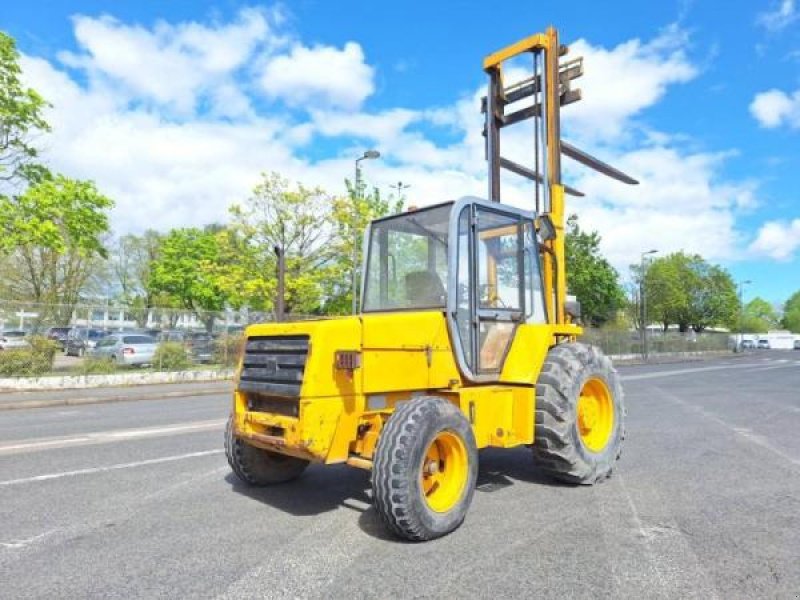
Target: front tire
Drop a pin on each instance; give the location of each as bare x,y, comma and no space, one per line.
258,467
580,414
425,469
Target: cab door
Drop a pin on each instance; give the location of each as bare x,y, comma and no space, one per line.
495,284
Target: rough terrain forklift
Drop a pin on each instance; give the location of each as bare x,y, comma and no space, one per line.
465,340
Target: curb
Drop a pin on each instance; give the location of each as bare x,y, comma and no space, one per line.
23,404
79,382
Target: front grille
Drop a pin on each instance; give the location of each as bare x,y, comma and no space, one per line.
273,366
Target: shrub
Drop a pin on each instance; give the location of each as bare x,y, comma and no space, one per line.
171,356
96,365
228,350
29,362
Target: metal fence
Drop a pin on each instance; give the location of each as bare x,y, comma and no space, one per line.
626,343
111,316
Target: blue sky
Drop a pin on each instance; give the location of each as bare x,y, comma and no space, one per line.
175,107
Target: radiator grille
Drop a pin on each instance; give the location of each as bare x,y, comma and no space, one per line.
273,366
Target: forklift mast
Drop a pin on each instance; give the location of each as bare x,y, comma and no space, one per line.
549,88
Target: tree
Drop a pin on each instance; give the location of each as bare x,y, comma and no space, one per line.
51,237
714,300
21,119
240,272
590,277
686,290
131,263
758,316
665,291
186,272
791,313
298,221
351,215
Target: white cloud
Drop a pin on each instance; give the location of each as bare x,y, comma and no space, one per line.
175,151
320,76
172,66
620,83
777,240
781,17
682,203
773,108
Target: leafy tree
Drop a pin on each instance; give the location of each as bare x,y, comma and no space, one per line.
51,239
131,263
758,316
21,119
351,215
686,290
241,273
185,272
590,277
714,300
791,313
297,220
664,285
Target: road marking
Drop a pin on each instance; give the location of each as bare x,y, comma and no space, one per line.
105,437
117,467
668,551
745,433
655,375
16,544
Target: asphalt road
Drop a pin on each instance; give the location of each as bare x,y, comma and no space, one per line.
135,499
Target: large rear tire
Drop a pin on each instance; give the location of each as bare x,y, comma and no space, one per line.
580,414
425,469
259,467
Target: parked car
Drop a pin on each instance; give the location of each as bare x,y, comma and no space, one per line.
748,345
797,344
763,344
11,339
200,347
127,349
80,340
59,336
171,336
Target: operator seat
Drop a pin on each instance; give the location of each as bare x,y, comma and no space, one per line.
424,289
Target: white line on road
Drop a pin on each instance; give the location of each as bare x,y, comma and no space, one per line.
657,374
117,467
16,544
745,433
105,437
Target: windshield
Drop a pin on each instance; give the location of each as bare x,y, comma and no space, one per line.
407,263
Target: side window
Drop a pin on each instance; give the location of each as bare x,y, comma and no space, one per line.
534,289
500,268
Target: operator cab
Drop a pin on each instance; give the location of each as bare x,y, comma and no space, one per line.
475,260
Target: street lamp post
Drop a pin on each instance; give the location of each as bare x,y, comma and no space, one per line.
643,301
369,154
741,312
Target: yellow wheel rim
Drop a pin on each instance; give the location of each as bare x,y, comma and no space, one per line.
595,414
444,472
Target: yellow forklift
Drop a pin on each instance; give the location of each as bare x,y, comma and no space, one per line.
465,340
